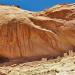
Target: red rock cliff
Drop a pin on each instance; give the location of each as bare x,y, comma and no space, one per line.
28,34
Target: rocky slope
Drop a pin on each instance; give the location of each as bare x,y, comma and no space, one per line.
32,35
59,66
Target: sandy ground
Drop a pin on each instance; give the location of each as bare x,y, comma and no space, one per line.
60,66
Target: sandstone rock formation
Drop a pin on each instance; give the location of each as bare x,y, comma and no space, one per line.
33,35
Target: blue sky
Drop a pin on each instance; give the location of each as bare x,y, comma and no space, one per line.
35,5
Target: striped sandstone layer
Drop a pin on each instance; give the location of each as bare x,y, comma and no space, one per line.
34,35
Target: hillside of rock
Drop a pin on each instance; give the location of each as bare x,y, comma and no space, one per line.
33,35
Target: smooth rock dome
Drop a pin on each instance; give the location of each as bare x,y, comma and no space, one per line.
25,34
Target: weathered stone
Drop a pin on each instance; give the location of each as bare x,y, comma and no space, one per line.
25,34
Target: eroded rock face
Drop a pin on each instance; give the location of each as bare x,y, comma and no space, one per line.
49,33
